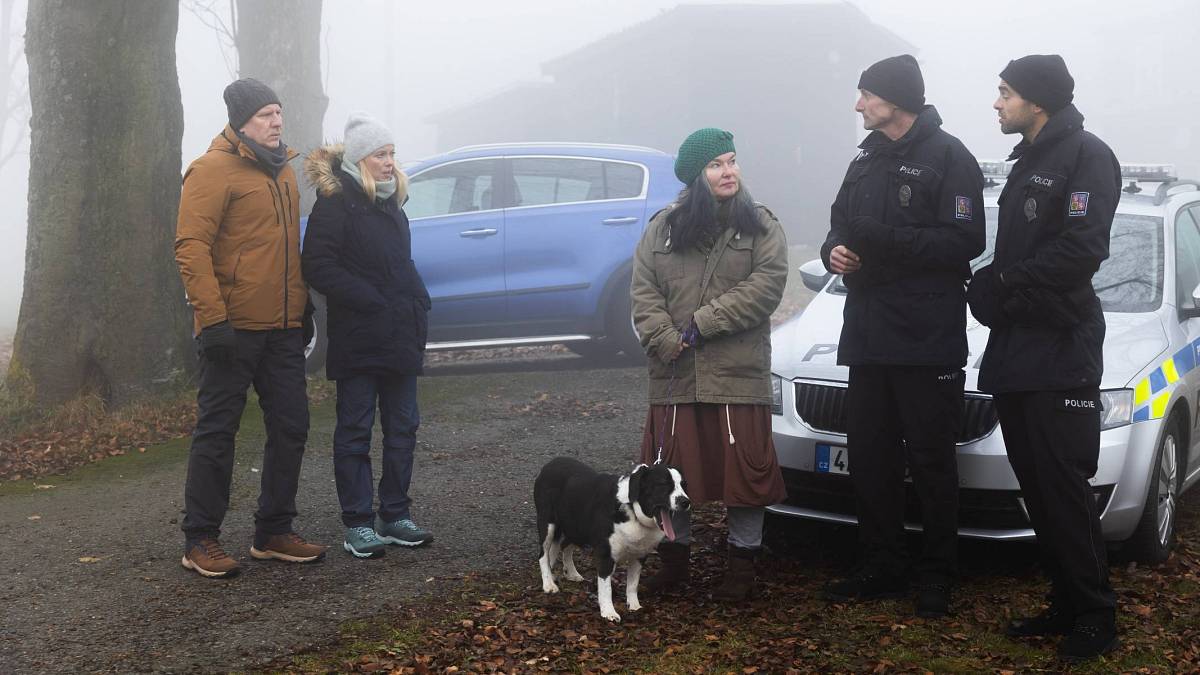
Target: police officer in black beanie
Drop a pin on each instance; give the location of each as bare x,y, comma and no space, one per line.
1043,360
903,230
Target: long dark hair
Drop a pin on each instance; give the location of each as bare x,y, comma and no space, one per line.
695,213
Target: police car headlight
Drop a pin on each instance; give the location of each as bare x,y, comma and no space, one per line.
1118,408
777,394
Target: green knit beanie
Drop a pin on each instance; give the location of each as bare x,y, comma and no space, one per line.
698,150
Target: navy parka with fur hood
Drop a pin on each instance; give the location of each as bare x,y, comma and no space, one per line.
358,254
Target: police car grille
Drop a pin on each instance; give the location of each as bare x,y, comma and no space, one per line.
979,418
823,408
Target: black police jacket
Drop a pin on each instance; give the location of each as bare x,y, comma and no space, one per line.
1056,210
358,254
912,209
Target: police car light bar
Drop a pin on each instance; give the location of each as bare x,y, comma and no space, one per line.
1156,173
995,168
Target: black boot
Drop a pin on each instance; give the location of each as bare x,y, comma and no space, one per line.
674,573
1091,636
738,584
933,599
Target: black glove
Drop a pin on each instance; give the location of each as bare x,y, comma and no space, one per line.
1043,307
691,335
219,343
986,297
870,236
1019,306
307,322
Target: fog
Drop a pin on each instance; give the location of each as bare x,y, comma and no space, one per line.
407,61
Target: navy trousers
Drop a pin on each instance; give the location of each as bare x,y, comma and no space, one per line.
357,398
1053,443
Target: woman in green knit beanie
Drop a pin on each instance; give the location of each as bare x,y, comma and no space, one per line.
709,271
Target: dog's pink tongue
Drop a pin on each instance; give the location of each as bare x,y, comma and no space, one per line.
665,517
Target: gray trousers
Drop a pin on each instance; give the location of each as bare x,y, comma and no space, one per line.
745,526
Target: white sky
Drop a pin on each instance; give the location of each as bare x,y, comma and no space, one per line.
405,60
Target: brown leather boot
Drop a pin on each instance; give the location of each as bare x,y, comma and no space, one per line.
674,573
738,584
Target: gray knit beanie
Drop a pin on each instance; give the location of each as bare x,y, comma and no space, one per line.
364,135
245,97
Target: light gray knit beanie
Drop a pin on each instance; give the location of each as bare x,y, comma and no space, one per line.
364,135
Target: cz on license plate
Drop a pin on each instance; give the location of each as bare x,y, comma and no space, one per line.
832,459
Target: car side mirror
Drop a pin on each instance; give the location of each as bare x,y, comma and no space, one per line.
814,275
1194,310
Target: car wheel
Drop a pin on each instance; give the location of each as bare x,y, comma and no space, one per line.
1155,534
314,351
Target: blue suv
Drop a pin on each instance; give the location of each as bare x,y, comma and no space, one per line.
531,243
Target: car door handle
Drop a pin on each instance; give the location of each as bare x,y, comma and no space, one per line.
481,232
619,221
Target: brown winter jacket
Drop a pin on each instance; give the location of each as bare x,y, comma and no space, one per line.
237,242
731,293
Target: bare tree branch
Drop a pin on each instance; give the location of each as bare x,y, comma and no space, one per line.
226,33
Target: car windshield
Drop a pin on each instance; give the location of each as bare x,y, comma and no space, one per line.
1130,280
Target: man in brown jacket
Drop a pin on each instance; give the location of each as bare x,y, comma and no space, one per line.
237,244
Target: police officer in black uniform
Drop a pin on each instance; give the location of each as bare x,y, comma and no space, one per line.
906,223
1043,359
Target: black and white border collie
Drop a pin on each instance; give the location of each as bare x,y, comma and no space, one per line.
622,519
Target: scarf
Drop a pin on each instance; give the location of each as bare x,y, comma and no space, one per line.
384,189
272,160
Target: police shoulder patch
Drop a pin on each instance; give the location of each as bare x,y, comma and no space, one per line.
1078,205
962,208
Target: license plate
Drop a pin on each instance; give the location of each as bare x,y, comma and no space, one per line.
832,459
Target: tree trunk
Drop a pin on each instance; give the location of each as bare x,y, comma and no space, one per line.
279,43
103,308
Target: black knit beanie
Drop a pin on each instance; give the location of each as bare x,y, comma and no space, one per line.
245,97
896,79
1042,79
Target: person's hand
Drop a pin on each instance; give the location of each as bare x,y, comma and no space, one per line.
870,235
985,297
1042,307
690,337
843,261
219,343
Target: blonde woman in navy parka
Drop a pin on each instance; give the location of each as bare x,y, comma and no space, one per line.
357,252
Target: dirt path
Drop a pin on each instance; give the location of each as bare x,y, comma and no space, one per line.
91,576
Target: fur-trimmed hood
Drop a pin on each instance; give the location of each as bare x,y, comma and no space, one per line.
322,170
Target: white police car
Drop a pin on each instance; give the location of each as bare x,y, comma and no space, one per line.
1150,445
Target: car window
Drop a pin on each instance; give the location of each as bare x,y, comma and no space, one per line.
460,187
1187,257
557,181
1131,279
623,181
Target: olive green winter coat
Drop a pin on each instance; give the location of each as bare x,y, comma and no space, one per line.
731,292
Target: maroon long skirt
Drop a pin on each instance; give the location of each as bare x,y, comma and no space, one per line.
725,456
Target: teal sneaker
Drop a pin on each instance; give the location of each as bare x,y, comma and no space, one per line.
362,542
403,532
